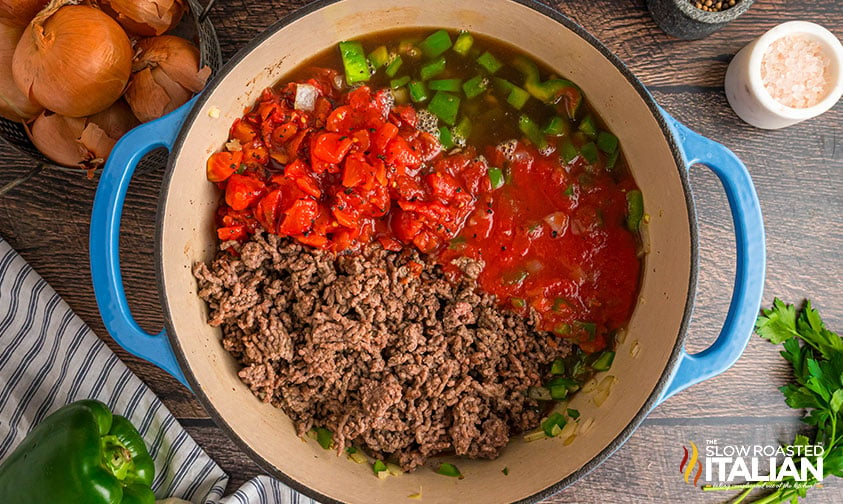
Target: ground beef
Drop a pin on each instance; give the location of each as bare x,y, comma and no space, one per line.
378,347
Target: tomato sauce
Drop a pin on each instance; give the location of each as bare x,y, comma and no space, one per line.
554,239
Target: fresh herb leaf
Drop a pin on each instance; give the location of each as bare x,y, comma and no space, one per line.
816,357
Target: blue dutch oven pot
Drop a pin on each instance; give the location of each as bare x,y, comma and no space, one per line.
660,152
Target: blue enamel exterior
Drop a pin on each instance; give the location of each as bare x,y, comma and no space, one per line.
105,240
750,259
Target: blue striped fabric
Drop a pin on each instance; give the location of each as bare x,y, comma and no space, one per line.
49,357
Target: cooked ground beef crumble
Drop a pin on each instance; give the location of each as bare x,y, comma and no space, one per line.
378,347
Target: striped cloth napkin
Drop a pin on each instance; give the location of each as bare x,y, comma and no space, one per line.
49,357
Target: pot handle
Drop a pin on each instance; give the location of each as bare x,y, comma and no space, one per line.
750,259
105,240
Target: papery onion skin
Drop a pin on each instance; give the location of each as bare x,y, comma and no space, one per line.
104,129
166,75
56,136
20,12
14,105
73,59
146,17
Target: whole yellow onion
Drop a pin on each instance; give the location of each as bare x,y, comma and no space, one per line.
20,12
146,17
74,60
14,105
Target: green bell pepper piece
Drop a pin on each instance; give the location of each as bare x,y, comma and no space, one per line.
418,93
446,138
488,61
634,209
532,131
453,85
589,152
81,453
393,66
463,43
607,142
445,106
517,97
379,57
551,90
354,62
475,86
435,44
433,68
587,126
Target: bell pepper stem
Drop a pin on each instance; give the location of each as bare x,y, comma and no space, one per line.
116,457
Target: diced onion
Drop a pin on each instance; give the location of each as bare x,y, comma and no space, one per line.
306,95
557,221
586,425
603,390
394,469
357,458
590,385
569,430
383,475
534,436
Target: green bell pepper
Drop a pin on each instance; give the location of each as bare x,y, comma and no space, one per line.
83,454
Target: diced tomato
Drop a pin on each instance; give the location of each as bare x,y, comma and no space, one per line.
313,240
284,133
242,192
356,171
331,147
401,155
222,165
405,115
340,120
360,98
362,140
269,211
426,241
443,185
405,226
232,233
299,218
255,154
243,131
383,136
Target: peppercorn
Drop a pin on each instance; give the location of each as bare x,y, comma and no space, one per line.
713,5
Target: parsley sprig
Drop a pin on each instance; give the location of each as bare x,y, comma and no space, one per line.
816,356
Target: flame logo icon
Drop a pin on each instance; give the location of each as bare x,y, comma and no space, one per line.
686,467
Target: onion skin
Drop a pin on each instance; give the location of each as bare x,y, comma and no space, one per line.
73,59
14,105
20,12
79,142
57,136
166,75
146,17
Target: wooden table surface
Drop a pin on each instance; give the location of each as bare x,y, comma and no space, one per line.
798,173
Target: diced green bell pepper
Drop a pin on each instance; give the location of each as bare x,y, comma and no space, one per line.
517,97
554,419
463,128
587,126
354,62
447,469
418,91
435,44
446,139
604,362
81,453
401,81
549,91
568,151
488,61
393,66
634,209
589,152
379,57
612,159
325,438
445,106
557,126
463,43
475,86
432,68
496,177
532,131
453,85
607,142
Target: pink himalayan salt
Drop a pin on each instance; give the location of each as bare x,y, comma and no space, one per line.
795,71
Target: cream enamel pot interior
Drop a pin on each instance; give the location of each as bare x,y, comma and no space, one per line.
659,151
